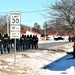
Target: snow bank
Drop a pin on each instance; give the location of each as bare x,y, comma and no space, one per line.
34,63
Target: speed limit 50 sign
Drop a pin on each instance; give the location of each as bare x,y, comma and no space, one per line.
15,24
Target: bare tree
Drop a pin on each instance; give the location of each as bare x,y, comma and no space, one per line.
65,9
57,25
3,23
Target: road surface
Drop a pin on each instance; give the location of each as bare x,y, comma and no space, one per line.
51,44
44,46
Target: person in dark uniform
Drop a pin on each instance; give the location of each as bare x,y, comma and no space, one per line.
36,42
6,43
31,42
25,42
74,48
18,46
69,39
11,42
22,39
28,42
72,39
1,41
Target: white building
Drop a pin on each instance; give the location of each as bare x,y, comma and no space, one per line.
53,35
27,32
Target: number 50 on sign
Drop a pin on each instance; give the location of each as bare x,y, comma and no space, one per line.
15,18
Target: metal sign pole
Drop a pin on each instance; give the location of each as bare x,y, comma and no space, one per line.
15,29
15,53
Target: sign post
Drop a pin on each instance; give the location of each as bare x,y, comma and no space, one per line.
15,28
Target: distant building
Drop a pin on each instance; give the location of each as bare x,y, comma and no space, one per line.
53,35
66,35
27,32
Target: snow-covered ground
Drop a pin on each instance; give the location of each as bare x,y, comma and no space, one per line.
39,62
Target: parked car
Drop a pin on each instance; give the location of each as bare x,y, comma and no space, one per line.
47,38
59,38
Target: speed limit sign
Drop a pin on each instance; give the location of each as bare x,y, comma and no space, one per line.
15,18
15,28
15,24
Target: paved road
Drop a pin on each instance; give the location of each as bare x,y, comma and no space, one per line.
46,45
49,45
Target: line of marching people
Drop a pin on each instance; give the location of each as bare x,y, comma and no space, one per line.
27,42
23,43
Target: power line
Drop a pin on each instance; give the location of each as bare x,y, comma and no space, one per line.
30,11
35,11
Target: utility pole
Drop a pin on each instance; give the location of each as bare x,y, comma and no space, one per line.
7,25
45,30
45,33
30,25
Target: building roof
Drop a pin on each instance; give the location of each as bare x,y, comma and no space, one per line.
24,32
57,34
54,34
69,34
35,32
